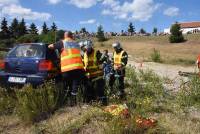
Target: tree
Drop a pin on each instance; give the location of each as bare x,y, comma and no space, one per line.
22,30
47,38
131,29
176,34
100,34
83,30
28,38
4,34
14,28
142,31
45,29
60,34
155,31
33,29
53,27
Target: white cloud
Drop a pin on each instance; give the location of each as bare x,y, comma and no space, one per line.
54,1
8,2
17,11
91,21
171,11
83,3
141,10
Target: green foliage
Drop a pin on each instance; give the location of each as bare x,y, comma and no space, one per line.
83,30
50,37
45,29
142,31
4,32
60,35
7,102
14,29
189,94
7,42
53,27
37,104
131,28
155,56
100,34
33,29
155,31
28,38
22,29
176,34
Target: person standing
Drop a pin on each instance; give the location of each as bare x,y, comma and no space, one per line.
72,67
120,59
94,74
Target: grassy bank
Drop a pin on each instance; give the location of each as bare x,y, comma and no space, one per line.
41,110
141,48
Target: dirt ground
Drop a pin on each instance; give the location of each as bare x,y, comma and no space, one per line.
166,71
141,48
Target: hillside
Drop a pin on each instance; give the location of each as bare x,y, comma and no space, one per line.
141,47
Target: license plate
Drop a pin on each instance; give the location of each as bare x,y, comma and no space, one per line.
17,80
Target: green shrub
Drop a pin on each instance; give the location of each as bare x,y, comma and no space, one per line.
176,34
7,102
189,93
37,104
28,38
155,56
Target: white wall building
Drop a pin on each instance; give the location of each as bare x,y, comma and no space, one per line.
187,27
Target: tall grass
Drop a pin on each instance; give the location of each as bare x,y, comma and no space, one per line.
155,56
146,97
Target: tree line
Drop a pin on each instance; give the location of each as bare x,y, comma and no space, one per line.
19,32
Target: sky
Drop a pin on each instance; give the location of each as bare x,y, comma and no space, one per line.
113,15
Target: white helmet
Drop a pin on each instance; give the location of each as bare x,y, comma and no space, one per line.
81,44
88,44
116,45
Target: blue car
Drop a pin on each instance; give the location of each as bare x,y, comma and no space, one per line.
31,63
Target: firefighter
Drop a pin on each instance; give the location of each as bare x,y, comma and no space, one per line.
72,67
82,46
120,59
94,73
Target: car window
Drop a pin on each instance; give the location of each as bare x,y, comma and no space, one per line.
28,50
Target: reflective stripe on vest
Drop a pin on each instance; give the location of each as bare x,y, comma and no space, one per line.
92,65
70,56
118,58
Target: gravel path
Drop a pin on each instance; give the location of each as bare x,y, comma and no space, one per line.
166,71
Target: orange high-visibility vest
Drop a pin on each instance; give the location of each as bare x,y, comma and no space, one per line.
118,58
71,56
92,65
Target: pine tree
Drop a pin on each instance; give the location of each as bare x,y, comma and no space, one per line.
4,34
83,30
14,28
142,31
176,34
155,31
100,34
22,29
53,27
33,29
131,29
45,29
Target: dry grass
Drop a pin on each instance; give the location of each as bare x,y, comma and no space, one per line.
141,48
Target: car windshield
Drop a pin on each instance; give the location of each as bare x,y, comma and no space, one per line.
28,50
